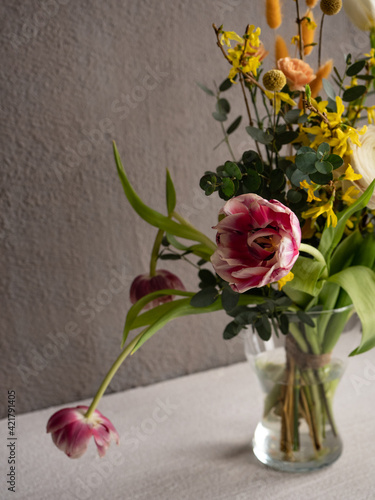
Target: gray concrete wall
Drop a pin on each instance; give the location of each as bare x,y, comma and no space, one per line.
74,76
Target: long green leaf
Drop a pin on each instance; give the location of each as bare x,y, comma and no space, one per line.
359,284
180,308
152,216
170,193
141,303
332,235
306,279
344,253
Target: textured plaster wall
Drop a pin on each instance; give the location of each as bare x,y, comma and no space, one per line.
74,76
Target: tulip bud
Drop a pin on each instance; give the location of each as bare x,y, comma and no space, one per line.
144,284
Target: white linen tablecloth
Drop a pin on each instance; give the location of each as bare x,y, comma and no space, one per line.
190,439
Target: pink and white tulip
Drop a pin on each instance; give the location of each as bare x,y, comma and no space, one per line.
144,284
258,242
71,431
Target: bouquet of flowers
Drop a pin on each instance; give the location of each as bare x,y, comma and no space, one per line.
295,235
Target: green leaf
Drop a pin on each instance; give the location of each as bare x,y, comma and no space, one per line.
245,317
152,216
277,180
161,315
343,254
259,135
292,116
222,106
234,126
286,137
329,89
306,162
252,159
208,278
307,273
227,186
252,180
359,284
294,196
323,150
298,177
323,167
335,160
169,256
284,324
305,149
320,178
229,299
208,183
205,89
354,93
141,303
305,318
231,330
225,85
174,242
232,169
367,78
171,194
220,117
205,297
332,235
263,327
356,68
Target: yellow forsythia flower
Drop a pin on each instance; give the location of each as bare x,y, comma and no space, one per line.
350,195
310,190
285,280
326,209
295,40
350,175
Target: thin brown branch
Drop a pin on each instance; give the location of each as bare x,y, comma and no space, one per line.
313,109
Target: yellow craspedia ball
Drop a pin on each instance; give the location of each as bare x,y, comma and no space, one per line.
330,7
274,80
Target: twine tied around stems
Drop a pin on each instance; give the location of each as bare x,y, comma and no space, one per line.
302,359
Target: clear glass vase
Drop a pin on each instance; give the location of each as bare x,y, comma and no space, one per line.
299,376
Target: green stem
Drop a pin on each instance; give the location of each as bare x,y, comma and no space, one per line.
226,140
320,42
155,251
116,365
200,237
314,252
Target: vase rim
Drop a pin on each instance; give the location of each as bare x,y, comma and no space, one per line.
323,311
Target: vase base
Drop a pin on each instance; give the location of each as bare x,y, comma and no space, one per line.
266,448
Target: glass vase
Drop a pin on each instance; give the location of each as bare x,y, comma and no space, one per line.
298,376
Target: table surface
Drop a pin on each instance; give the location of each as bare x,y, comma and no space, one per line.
190,438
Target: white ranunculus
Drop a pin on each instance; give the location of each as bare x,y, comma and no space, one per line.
361,13
362,160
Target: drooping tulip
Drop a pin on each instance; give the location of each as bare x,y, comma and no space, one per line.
71,431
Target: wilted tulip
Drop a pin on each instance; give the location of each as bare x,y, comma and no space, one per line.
71,431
